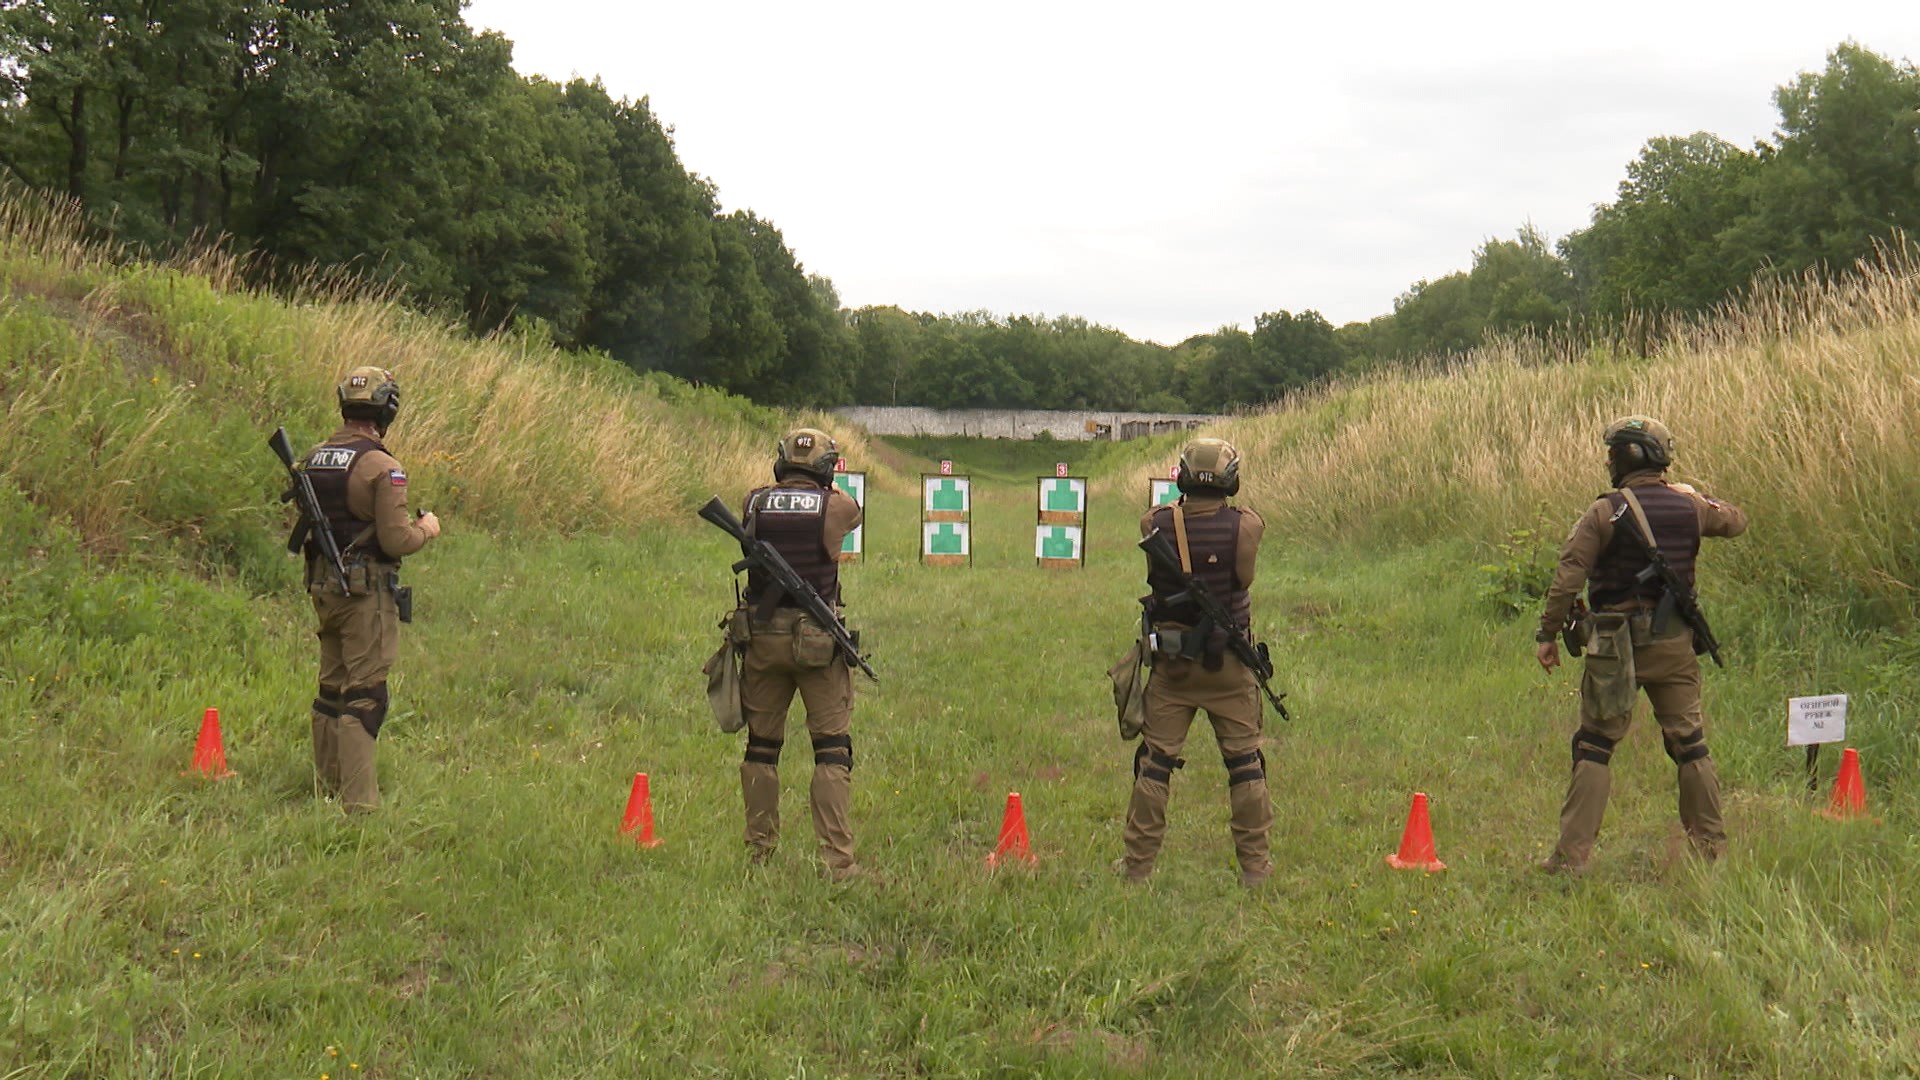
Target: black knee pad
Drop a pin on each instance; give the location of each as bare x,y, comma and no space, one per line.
368,704
1592,746
1155,765
1686,749
763,751
833,750
325,706
1245,768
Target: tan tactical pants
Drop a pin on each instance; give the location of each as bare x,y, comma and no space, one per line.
359,636
785,656
1176,690
1616,668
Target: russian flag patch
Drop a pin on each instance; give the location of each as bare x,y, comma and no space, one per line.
397,478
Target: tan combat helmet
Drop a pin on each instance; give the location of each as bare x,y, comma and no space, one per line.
809,451
369,393
1210,466
1638,442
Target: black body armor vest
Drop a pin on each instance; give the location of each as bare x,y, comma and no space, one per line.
328,468
793,521
1676,530
1212,542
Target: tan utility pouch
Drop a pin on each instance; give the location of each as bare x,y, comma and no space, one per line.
1608,683
1129,692
813,647
723,687
739,626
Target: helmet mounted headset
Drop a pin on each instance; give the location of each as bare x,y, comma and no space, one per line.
369,394
809,452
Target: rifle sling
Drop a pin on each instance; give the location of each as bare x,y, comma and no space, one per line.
1640,516
1180,536
1664,610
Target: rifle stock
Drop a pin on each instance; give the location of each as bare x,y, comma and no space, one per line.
1161,550
759,553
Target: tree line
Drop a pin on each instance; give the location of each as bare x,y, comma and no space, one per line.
388,138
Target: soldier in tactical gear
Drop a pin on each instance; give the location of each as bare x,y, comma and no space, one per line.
1633,645
1219,544
804,517
363,493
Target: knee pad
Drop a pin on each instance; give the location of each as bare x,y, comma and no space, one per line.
1245,768
367,704
322,706
1592,746
833,750
762,750
1155,765
1687,748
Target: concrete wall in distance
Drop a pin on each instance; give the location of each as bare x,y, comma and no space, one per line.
1018,423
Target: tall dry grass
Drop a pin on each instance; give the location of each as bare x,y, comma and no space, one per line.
1800,402
506,432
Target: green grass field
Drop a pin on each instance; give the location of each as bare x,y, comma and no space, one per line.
492,922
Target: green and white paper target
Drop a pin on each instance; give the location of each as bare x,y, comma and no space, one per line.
1063,495
1057,541
952,494
945,538
854,486
1163,492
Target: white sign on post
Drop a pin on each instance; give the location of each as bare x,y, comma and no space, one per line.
1814,720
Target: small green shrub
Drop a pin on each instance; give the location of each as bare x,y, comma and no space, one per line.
1518,578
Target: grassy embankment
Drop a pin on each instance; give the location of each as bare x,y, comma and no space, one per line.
490,922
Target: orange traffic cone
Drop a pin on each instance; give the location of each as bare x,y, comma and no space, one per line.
209,752
640,813
1416,843
1849,791
1013,834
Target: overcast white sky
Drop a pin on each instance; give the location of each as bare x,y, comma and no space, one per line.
1168,168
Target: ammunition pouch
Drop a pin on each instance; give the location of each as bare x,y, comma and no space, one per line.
813,645
738,624
1182,644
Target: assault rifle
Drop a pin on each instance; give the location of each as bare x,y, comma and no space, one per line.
1676,597
1213,616
313,521
760,553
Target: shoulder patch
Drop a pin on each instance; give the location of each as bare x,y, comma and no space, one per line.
332,458
396,477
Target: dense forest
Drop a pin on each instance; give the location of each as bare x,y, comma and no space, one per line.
388,139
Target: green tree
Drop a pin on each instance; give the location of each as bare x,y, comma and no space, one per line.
1846,172
1660,246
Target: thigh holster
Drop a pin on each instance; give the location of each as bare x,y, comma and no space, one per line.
1592,746
367,704
1244,768
1155,765
833,750
1686,748
762,750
